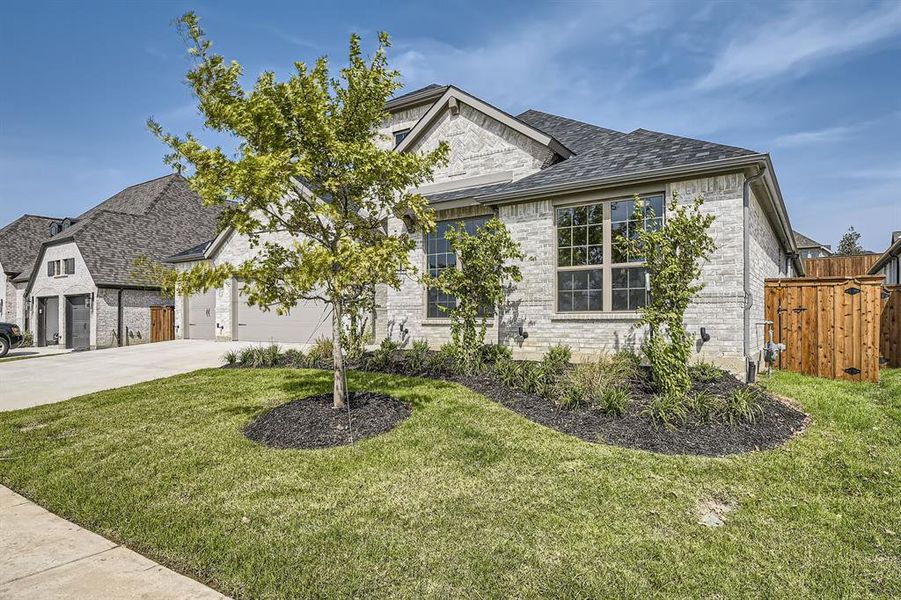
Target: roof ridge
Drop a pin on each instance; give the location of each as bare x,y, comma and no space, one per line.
691,139
160,194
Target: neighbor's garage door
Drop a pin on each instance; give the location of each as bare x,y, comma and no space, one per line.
202,316
306,322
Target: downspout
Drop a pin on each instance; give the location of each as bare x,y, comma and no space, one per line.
746,265
120,319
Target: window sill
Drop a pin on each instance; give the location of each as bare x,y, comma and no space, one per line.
600,316
432,321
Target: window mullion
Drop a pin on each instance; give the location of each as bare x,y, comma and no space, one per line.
608,259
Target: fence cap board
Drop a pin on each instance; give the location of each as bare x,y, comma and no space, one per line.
787,281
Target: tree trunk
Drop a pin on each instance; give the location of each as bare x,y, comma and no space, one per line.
340,390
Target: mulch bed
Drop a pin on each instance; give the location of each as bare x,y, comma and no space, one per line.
311,422
778,422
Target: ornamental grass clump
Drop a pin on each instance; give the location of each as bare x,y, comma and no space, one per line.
604,383
417,356
705,372
744,404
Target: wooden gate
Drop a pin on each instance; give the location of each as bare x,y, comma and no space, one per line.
162,323
890,343
829,325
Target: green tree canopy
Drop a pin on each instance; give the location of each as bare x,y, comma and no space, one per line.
849,245
672,256
478,285
308,164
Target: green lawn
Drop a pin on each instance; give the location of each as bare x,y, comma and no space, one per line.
466,498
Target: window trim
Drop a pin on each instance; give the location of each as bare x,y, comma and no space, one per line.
405,131
606,267
66,263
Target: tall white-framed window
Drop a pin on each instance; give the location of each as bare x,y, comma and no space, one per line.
593,273
440,255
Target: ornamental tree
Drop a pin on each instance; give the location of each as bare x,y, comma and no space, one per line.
479,284
672,255
849,245
308,165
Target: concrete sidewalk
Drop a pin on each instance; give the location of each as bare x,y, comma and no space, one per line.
45,557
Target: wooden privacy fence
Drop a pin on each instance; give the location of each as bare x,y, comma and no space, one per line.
162,323
830,325
840,266
890,342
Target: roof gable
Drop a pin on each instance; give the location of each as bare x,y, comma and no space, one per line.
149,219
20,242
454,97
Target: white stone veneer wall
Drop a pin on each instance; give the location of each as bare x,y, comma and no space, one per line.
531,305
136,315
480,145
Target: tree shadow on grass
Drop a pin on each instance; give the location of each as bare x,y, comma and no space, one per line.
403,388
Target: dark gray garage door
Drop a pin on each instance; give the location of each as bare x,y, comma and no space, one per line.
306,322
202,316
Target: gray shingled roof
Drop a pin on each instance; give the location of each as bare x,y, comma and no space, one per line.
148,219
609,153
802,241
193,253
21,240
429,91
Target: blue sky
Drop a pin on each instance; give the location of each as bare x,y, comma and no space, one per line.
818,85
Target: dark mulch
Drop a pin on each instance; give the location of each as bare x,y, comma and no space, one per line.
776,425
312,422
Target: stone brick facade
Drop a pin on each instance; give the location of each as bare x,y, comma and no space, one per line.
135,316
532,304
480,145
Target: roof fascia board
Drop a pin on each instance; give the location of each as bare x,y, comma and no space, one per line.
778,204
217,243
495,113
459,184
628,178
892,251
422,97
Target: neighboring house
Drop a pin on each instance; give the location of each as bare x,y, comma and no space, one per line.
20,242
809,248
79,288
889,262
564,189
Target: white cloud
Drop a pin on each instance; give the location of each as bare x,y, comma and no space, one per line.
818,136
789,44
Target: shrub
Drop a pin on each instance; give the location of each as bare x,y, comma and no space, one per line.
744,404
27,339
230,357
492,353
417,356
668,409
320,355
706,405
442,359
531,378
485,269
556,359
245,355
705,372
507,371
295,357
381,357
672,254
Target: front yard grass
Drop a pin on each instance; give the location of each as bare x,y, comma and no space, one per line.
466,498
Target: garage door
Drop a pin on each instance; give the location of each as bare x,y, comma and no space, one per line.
202,316
305,323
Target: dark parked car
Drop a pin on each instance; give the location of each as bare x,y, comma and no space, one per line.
10,337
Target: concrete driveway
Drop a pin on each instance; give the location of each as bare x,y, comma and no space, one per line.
49,379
